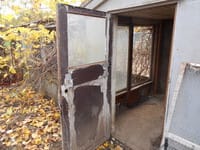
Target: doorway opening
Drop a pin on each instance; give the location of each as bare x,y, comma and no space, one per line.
143,48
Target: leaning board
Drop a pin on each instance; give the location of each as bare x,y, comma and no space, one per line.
183,129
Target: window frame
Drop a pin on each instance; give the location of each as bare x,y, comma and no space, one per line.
156,25
152,52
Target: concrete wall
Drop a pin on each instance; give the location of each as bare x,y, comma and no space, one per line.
49,86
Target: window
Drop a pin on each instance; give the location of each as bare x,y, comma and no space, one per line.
86,46
133,63
142,54
122,57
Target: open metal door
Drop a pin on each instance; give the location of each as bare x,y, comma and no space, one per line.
183,125
84,72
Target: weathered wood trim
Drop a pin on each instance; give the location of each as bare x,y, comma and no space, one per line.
157,57
113,73
110,52
154,43
85,12
124,21
62,42
90,73
130,59
141,85
62,62
144,21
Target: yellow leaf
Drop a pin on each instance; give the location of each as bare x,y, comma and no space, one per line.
37,46
57,115
106,144
5,75
26,131
37,124
34,135
37,140
9,111
12,70
7,143
118,148
26,19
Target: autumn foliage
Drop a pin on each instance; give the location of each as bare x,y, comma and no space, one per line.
28,121
24,35
19,48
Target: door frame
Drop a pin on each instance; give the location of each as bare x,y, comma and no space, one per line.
115,13
131,90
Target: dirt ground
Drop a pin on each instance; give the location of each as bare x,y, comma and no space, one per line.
140,127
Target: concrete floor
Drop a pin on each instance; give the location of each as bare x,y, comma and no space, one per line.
140,128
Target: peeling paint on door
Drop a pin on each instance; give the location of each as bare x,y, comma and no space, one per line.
89,113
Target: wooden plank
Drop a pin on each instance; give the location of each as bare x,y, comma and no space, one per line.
62,42
155,13
90,73
124,21
62,62
85,12
110,53
157,54
130,60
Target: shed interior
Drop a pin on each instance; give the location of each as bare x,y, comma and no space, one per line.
143,49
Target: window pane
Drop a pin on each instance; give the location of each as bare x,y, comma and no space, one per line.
142,52
86,39
121,57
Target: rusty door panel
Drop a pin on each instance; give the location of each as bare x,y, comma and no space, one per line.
88,113
90,73
88,101
65,122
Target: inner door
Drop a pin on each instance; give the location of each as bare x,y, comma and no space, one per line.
84,76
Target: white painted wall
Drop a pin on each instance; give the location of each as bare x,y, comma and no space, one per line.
185,44
186,40
109,5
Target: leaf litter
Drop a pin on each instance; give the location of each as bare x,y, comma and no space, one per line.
28,121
